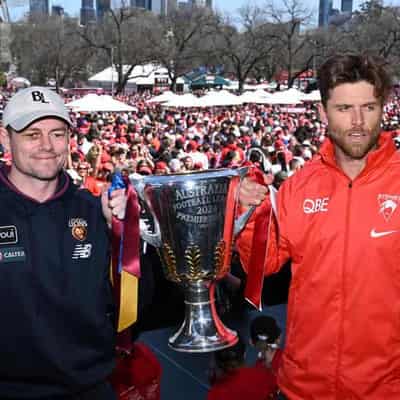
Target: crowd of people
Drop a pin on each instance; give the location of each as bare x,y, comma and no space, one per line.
159,140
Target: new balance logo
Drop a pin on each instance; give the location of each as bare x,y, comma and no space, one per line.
82,251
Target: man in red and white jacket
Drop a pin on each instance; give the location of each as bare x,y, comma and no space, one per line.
339,223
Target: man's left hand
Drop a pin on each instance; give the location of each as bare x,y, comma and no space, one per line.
114,204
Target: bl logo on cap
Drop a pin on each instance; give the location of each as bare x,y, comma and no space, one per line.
38,96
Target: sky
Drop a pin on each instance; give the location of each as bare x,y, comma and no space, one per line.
229,6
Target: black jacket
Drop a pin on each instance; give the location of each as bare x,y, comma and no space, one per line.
56,309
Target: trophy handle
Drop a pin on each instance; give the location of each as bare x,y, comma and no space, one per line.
242,171
153,239
241,221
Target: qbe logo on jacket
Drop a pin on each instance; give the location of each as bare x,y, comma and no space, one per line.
8,234
312,206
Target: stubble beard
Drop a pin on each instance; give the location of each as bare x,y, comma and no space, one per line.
45,175
356,151
38,175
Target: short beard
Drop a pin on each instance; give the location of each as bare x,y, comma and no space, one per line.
39,177
357,152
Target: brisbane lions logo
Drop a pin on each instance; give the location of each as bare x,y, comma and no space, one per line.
387,205
79,228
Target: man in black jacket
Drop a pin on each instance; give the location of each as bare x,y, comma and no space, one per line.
57,331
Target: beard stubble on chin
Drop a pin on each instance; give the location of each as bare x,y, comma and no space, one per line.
355,150
46,175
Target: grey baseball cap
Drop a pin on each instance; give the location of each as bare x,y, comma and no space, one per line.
31,104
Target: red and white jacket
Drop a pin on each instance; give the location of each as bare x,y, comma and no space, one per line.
343,237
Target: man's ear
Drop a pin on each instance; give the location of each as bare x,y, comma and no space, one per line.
322,113
5,138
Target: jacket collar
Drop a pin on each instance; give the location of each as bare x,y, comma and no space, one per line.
376,158
63,184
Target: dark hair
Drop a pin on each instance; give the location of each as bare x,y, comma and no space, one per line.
75,157
351,68
232,357
255,157
281,158
264,328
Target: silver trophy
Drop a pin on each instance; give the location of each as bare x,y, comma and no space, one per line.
194,227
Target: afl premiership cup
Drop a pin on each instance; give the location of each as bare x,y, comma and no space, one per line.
194,227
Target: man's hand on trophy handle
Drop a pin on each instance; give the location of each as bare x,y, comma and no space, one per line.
114,204
252,193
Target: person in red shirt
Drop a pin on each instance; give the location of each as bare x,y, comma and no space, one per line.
265,336
137,375
232,380
89,182
161,168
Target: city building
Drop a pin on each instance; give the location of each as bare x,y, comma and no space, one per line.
184,5
102,6
201,3
347,6
57,10
146,4
39,7
325,10
88,13
163,7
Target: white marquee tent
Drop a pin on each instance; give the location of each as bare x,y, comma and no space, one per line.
220,98
93,102
145,75
315,95
258,97
225,98
163,97
290,96
187,100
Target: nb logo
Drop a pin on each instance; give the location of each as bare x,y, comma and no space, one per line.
82,251
312,206
39,97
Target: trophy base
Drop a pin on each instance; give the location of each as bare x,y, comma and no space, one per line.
202,331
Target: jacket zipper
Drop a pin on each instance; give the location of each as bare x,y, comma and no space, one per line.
343,292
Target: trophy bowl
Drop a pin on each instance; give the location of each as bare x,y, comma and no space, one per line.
194,221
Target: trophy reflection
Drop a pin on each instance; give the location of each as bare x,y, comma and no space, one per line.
194,220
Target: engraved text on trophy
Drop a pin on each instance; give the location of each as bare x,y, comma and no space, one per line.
200,205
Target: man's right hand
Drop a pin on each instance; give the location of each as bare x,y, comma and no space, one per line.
252,193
